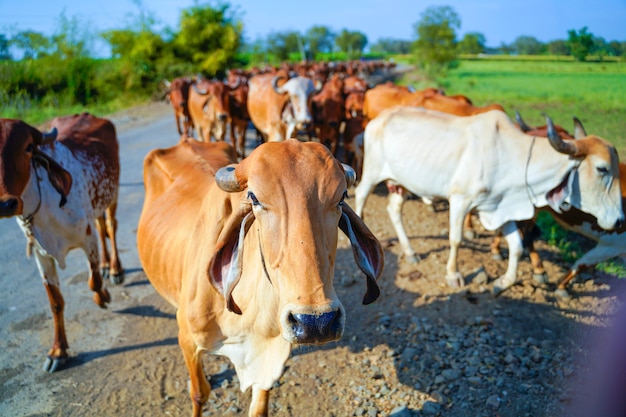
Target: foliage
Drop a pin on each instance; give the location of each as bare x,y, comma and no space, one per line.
34,44
472,43
209,37
391,46
580,43
320,39
558,47
282,44
351,43
528,45
435,47
4,47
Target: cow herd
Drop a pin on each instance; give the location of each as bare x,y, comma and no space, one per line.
243,244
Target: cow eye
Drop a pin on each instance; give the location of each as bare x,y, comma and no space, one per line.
30,148
252,197
602,171
343,197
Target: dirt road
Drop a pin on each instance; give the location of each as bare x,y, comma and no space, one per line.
422,349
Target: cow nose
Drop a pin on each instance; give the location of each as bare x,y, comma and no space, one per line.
316,328
619,223
333,124
306,126
221,117
8,207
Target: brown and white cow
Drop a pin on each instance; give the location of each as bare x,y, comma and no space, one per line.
246,253
485,163
279,107
178,96
208,107
61,191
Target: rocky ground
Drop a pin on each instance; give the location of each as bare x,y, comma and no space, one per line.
422,349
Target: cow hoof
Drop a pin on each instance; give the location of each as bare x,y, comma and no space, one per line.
469,234
50,365
562,293
500,285
101,298
117,279
497,257
104,272
455,281
541,278
412,259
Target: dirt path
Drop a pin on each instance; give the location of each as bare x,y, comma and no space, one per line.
422,349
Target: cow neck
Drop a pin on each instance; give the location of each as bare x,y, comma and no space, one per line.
28,220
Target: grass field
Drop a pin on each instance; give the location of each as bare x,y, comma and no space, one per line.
595,92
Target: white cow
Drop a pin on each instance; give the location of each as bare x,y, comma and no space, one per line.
486,163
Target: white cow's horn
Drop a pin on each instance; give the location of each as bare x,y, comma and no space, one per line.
566,147
49,137
350,175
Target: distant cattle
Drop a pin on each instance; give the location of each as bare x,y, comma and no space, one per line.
208,107
246,253
278,106
485,163
328,108
178,95
62,186
238,112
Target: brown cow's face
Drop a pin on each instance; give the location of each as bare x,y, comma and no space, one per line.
17,145
296,216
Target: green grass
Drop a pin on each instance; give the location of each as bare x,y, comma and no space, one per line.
595,92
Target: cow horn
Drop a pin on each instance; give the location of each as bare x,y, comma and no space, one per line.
167,84
557,143
522,124
579,129
195,88
275,86
226,179
350,174
49,137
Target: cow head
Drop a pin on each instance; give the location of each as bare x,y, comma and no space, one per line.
298,107
19,150
216,93
593,186
294,204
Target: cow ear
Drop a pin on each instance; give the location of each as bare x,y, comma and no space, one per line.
227,262
368,253
60,179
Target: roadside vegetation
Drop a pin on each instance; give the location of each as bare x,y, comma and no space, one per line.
581,75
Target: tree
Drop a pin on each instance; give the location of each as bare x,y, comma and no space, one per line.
282,44
391,46
580,43
472,43
209,37
319,39
528,45
351,43
33,44
5,55
558,47
435,47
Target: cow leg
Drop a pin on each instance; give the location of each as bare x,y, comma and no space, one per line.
394,208
495,246
458,210
260,402
58,353
514,241
177,117
104,253
90,246
468,228
539,273
116,272
200,388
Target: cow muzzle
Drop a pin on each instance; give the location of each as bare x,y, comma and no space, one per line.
310,327
9,207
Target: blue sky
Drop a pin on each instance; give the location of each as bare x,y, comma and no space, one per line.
499,20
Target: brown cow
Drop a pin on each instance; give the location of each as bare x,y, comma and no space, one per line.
387,95
246,254
354,125
178,96
208,107
279,107
328,112
60,192
238,112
